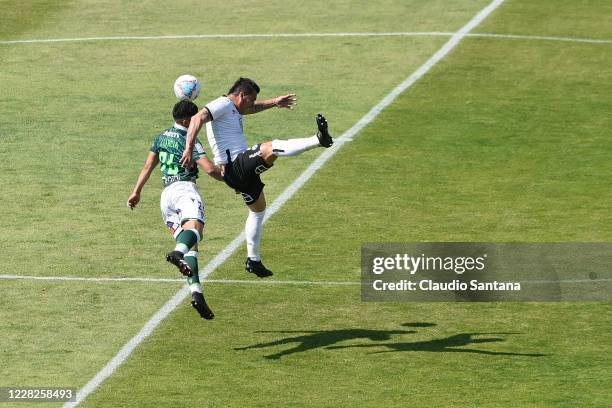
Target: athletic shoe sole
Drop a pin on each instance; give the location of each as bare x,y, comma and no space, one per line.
325,139
176,259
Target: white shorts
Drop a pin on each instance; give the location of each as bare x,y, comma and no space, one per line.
180,202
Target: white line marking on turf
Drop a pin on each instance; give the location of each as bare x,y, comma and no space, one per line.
278,203
304,35
226,36
247,282
175,280
90,279
542,38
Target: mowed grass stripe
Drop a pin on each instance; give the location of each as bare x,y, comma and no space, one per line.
90,18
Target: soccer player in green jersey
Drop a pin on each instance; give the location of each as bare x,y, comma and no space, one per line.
181,204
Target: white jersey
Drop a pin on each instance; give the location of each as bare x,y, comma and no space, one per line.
225,130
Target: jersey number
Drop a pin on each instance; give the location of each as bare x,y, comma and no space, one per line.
167,163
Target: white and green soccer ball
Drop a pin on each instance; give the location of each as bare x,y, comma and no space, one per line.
187,87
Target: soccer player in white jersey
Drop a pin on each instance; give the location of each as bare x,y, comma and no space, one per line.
181,204
242,166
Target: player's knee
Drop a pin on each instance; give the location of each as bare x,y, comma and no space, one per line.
265,148
195,225
267,153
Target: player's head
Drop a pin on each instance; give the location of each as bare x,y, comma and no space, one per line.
244,85
243,93
183,111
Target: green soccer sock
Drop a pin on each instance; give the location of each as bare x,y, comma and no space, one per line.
186,239
193,281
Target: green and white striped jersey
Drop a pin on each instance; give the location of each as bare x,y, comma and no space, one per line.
169,146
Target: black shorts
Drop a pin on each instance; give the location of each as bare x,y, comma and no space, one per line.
243,174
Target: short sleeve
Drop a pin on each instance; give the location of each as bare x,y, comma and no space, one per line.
155,145
198,150
219,107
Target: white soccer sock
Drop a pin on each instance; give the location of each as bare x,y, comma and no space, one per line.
252,231
293,147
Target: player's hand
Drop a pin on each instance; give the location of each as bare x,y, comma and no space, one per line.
133,200
186,159
286,101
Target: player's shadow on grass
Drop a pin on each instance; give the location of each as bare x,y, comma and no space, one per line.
451,344
325,338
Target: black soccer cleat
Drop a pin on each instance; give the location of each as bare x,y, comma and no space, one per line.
257,268
176,259
325,139
199,304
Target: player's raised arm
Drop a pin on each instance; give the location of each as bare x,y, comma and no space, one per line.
148,167
288,101
197,121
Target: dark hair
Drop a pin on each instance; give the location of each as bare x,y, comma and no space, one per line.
245,85
184,110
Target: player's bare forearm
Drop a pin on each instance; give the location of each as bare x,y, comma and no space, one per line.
146,171
194,128
288,101
197,121
142,179
210,169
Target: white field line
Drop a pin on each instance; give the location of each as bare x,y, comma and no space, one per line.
542,38
174,280
89,279
226,36
251,281
178,298
305,35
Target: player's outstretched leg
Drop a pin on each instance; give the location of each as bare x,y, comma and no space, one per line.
294,147
199,304
323,135
257,268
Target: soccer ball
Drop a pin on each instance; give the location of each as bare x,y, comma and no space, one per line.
187,87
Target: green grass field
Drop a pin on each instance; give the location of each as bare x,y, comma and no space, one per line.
504,140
